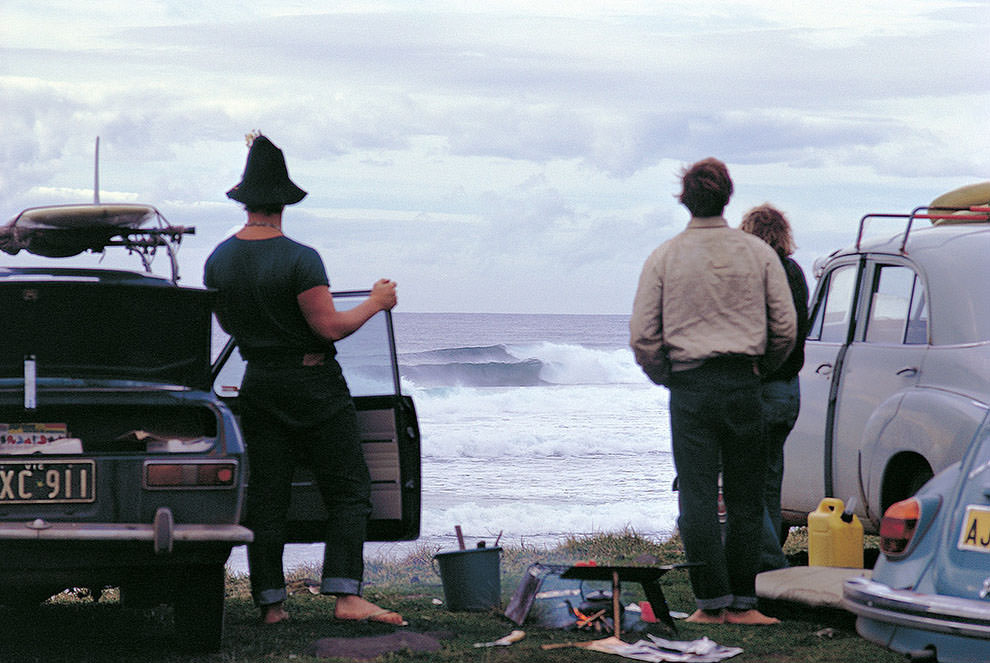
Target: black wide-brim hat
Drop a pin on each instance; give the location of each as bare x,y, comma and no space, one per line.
266,178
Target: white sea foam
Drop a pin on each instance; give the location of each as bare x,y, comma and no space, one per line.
535,427
540,422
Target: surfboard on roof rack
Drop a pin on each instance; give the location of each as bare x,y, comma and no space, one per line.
61,231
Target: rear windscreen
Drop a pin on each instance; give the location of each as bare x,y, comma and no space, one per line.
111,331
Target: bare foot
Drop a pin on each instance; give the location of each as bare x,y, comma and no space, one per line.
273,614
704,617
354,608
749,618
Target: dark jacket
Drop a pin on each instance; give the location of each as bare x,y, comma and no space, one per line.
799,291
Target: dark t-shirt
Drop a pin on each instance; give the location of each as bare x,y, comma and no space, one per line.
258,282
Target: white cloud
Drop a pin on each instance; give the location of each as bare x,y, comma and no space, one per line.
480,151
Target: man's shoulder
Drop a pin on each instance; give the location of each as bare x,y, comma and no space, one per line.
219,251
285,243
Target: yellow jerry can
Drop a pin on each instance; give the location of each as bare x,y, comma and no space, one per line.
835,536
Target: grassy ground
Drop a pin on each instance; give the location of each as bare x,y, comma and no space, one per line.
75,628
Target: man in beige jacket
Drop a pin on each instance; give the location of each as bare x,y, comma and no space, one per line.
713,311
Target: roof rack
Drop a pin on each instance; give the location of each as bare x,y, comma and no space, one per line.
61,231
954,214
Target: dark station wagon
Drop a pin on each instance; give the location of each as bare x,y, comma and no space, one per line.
121,461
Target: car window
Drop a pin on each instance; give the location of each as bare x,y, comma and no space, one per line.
917,331
898,313
834,309
364,357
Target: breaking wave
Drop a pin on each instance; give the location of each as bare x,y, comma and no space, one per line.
519,366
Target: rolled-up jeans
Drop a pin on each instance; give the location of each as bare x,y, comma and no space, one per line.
716,423
292,414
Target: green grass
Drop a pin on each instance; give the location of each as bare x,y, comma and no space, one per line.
71,627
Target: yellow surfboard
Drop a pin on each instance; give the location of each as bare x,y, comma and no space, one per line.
965,197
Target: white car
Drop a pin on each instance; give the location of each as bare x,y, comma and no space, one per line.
896,378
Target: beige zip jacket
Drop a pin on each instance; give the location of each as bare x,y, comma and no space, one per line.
711,291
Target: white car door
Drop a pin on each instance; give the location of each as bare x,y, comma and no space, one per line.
883,361
833,307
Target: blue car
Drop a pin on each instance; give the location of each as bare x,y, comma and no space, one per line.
122,463
929,596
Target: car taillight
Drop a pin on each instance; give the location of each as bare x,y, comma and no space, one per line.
898,527
190,475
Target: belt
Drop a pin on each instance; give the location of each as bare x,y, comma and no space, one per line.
285,357
742,363
731,361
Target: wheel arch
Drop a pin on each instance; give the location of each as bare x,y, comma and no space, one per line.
931,429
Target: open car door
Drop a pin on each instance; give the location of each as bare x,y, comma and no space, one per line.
389,431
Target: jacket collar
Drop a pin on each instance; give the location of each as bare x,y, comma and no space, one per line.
707,222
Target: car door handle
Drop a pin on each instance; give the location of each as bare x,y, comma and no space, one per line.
908,371
824,369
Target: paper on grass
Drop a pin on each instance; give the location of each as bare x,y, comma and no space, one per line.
658,650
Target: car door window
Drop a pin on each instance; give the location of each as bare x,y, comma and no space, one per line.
835,306
917,330
898,314
366,357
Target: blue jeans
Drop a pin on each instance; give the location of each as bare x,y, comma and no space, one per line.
716,423
294,414
781,403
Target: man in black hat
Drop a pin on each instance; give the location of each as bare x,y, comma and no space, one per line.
274,299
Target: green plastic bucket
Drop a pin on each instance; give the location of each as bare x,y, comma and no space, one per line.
471,578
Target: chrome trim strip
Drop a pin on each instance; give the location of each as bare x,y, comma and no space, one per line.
21,531
930,612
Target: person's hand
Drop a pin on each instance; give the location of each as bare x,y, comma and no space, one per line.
383,294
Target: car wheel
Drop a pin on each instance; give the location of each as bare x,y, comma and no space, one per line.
199,607
31,597
141,595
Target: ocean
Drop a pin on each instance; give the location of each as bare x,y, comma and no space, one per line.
534,428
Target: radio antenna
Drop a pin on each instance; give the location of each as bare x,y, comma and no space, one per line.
96,173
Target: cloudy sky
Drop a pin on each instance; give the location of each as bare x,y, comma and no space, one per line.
500,156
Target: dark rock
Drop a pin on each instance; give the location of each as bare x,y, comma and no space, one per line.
370,647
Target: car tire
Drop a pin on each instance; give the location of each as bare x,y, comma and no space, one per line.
199,608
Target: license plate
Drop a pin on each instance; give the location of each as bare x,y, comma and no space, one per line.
34,482
975,533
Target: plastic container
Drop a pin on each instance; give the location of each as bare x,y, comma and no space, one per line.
471,578
835,537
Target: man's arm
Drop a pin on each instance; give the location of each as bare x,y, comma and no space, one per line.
646,325
327,322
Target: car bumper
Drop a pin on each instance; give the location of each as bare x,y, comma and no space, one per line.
162,533
936,613
233,534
